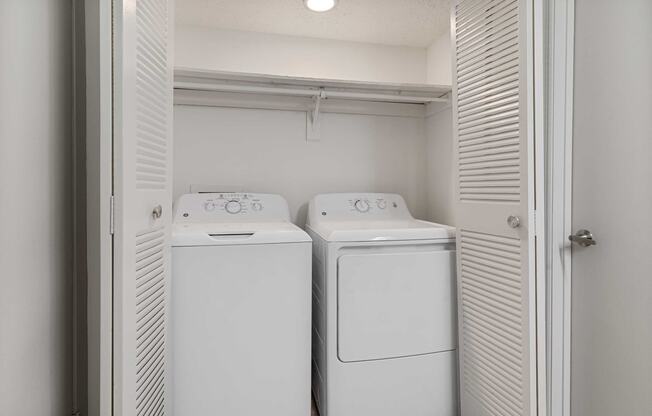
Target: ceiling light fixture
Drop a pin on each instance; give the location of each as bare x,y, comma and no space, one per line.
320,5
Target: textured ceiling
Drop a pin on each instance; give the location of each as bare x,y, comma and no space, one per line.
390,22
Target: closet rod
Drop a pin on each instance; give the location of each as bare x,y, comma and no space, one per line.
305,92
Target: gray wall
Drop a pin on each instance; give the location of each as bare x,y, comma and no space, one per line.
35,207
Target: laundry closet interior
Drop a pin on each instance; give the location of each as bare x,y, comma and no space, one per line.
272,97
384,125
291,174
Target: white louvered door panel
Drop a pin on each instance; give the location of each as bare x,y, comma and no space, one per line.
142,73
494,155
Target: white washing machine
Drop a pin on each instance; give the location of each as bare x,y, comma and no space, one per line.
240,307
384,310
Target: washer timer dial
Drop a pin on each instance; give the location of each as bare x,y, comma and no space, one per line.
361,205
233,207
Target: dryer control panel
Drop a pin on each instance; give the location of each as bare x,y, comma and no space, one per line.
230,207
358,206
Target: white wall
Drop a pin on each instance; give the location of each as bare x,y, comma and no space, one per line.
439,132
227,50
440,164
372,151
439,60
266,151
35,207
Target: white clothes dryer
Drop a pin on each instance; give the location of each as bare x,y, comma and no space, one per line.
240,307
384,309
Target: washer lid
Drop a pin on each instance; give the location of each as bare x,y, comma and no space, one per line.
218,234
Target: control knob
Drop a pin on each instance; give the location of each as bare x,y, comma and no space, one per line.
233,207
361,205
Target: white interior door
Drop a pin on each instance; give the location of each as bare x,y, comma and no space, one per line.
142,110
493,112
611,300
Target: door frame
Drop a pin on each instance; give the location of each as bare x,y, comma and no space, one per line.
99,205
558,91
554,41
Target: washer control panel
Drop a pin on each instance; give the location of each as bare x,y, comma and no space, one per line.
230,207
350,206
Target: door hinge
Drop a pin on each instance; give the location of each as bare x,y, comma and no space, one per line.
111,214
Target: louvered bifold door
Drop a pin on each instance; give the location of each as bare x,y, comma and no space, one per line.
142,135
494,164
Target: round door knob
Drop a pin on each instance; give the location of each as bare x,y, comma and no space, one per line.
233,207
514,221
157,212
361,205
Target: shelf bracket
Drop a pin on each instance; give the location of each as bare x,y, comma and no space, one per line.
312,118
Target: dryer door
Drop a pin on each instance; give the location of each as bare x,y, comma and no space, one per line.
395,304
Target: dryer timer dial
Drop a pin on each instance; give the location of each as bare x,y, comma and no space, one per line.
361,205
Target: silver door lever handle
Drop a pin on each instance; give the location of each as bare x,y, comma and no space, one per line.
583,238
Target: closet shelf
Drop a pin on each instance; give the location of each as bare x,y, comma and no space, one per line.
229,82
